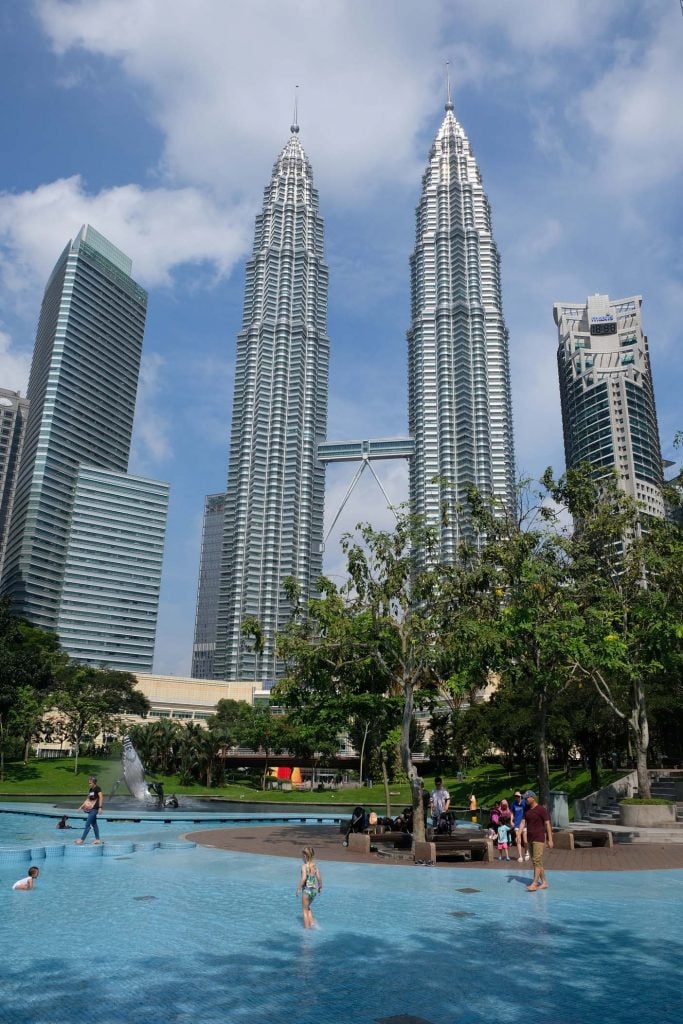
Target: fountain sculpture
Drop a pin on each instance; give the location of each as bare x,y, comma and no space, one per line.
134,777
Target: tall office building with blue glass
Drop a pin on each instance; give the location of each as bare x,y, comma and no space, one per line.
209,588
13,416
85,542
273,526
459,400
608,401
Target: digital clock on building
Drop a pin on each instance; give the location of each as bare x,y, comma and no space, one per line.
605,327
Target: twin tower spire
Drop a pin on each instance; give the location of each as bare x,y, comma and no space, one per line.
459,405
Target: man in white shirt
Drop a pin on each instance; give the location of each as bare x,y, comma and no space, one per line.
439,802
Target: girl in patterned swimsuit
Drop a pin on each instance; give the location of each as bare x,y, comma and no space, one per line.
310,884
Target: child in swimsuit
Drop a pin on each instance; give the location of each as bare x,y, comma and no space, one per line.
310,884
27,883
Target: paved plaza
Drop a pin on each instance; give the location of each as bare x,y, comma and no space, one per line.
288,841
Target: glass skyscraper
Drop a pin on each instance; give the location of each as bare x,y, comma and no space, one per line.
273,525
208,590
13,416
82,390
459,402
608,402
112,569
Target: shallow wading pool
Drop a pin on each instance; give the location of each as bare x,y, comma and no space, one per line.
201,936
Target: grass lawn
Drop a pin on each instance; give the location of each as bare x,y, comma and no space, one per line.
489,782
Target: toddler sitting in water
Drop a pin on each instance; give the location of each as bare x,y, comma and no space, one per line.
27,883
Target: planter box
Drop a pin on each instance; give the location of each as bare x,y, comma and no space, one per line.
647,815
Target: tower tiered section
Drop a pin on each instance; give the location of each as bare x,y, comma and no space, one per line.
275,495
459,402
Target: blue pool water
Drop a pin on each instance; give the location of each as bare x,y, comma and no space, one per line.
34,830
221,941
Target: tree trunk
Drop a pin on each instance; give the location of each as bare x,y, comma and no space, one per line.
408,766
362,753
78,747
543,768
265,775
641,736
385,779
27,747
594,767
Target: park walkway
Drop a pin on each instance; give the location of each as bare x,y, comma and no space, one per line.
289,840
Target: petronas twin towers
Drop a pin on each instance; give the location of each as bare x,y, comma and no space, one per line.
459,400
273,527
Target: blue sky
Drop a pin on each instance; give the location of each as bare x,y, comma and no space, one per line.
158,121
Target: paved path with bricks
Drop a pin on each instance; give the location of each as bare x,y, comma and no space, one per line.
288,841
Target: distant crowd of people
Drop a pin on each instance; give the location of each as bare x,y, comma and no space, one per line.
505,821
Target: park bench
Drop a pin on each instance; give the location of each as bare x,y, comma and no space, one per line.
365,842
571,839
398,840
477,847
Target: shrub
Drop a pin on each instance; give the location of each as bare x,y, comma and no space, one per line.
638,800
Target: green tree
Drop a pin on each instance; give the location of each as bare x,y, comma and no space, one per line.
260,729
25,717
627,581
91,699
371,637
29,659
508,612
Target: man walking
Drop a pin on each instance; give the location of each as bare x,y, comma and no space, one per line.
538,832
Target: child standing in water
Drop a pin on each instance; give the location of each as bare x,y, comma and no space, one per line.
310,884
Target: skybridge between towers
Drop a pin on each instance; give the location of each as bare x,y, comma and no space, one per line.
365,453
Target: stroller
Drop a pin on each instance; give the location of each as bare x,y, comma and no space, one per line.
358,823
444,824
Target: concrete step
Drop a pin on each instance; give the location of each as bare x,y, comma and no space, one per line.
660,835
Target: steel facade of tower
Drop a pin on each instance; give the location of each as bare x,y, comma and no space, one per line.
275,495
82,390
208,590
459,401
608,403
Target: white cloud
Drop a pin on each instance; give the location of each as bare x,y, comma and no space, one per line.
634,113
152,432
160,229
536,25
221,81
14,365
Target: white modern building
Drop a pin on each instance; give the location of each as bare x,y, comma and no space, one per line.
459,402
608,403
273,525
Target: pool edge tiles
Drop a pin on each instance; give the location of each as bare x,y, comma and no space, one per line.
22,855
